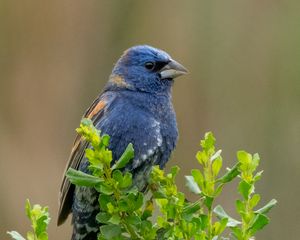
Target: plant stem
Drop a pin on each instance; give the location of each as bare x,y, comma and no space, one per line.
210,227
245,222
130,230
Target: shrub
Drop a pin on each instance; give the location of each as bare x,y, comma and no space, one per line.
127,213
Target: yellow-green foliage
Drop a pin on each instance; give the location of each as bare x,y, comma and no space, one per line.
126,213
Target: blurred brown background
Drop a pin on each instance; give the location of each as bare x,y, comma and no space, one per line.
244,63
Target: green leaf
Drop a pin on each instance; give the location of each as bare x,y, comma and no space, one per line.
219,227
258,223
131,202
240,207
244,157
111,208
123,181
28,208
245,189
159,194
217,165
190,211
117,175
115,219
30,236
174,171
148,231
136,200
43,236
15,235
255,161
123,205
41,225
237,232
208,142
105,140
133,220
208,201
125,158
198,177
104,200
103,217
223,225
265,209
257,176
230,175
192,185
254,200
90,154
219,211
110,231
191,208
105,188
203,221
218,189
127,181
248,165
201,157
82,179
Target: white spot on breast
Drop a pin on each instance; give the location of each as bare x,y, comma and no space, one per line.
150,151
159,141
136,163
91,229
155,124
79,236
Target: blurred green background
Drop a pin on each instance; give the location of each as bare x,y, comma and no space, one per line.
244,85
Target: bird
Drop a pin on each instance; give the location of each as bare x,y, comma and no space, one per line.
135,107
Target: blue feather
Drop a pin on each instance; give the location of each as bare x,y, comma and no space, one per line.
135,107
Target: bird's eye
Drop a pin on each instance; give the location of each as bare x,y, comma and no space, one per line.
150,65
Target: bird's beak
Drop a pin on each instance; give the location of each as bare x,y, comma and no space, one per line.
172,70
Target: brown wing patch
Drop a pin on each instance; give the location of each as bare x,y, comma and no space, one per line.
66,190
94,112
118,81
76,144
125,55
99,106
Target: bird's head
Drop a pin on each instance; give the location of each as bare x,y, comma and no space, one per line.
144,68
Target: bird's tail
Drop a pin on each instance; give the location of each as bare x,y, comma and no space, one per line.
85,208
86,228
86,236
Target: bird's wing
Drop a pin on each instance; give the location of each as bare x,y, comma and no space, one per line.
129,124
95,112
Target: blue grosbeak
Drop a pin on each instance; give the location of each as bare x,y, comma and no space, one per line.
134,107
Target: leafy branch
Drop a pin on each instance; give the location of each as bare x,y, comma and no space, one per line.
39,218
127,213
